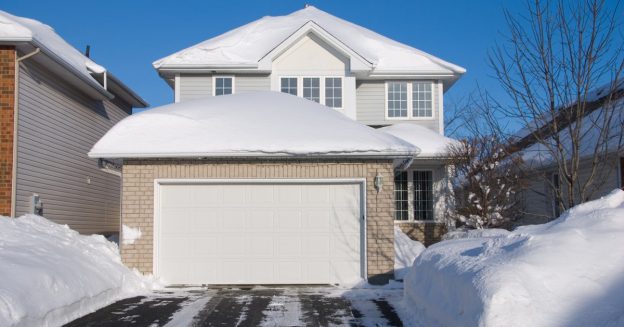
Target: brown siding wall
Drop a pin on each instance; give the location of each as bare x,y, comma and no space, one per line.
138,199
7,110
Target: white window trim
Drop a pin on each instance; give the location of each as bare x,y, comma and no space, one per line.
410,198
321,87
279,81
410,105
214,83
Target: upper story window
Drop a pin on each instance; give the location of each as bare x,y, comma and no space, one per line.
397,99
333,92
409,100
288,85
312,88
223,85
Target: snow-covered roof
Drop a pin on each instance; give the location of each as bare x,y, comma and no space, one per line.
17,29
269,124
248,44
430,143
591,138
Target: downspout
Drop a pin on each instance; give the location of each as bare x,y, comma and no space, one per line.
15,127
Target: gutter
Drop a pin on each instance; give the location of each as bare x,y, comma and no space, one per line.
255,155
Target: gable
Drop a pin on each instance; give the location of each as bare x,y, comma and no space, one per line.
311,54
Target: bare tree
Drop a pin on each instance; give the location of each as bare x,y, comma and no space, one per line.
554,66
485,182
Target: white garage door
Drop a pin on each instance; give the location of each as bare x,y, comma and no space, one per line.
304,233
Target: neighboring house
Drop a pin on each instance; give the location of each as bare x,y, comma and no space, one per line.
55,103
539,203
262,187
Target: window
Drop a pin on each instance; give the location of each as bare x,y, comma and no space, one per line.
556,190
409,99
401,201
423,195
312,88
223,85
397,99
422,105
333,92
289,85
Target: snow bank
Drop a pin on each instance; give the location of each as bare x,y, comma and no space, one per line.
474,233
21,29
248,44
52,275
405,251
430,143
246,124
130,235
569,272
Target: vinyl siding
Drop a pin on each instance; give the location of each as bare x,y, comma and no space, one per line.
371,106
199,86
57,126
538,198
195,86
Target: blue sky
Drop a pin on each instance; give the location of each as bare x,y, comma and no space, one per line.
127,36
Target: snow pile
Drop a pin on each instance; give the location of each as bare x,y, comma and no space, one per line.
21,29
474,233
248,44
405,251
430,143
129,234
52,275
569,272
246,124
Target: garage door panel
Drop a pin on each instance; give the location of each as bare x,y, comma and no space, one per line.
259,233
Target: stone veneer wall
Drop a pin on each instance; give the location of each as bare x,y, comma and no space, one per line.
426,233
138,198
7,112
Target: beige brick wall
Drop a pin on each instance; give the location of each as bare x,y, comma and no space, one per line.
138,198
426,233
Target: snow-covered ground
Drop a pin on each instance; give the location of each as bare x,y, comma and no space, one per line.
51,275
569,272
405,251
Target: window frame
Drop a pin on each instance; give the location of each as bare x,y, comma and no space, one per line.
321,88
289,77
411,198
214,83
410,104
341,91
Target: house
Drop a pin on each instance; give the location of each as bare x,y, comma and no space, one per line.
267,168
538,198
55,103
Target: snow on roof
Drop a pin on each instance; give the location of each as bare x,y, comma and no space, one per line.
590,138
248,44
242,125
430,143
21,29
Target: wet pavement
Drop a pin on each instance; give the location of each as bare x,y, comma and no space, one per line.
252,306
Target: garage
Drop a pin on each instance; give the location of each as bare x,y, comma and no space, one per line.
259,232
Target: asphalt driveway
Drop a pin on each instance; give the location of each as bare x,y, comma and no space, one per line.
253,306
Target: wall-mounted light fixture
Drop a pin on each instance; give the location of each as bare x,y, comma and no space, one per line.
378,182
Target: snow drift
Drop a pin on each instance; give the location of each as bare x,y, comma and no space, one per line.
569,272
246,124
405,251
52,275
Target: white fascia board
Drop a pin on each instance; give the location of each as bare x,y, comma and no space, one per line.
357,62
262,155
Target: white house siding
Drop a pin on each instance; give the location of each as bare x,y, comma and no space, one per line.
57,126
251,83
195,86
538,199
371,105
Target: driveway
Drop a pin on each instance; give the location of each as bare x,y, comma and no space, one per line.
253,306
